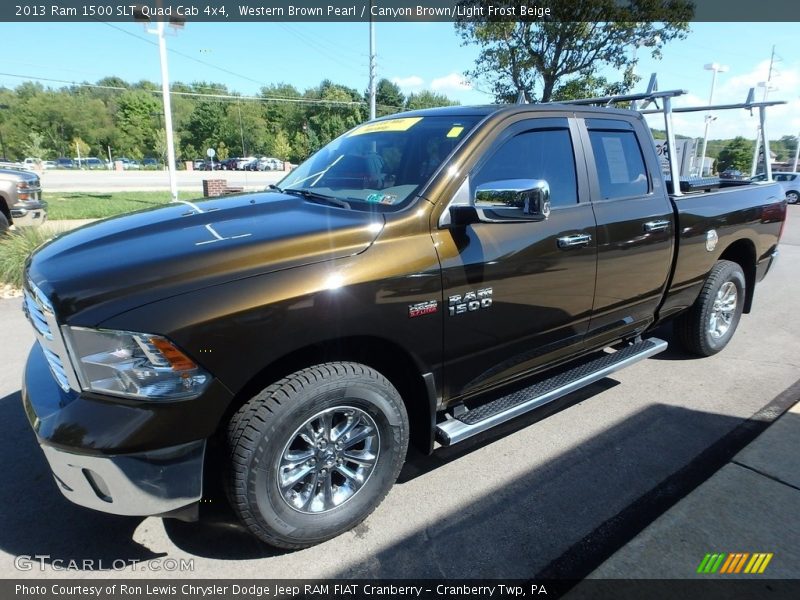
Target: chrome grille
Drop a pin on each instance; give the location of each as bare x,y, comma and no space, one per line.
35,315
40,313
57,368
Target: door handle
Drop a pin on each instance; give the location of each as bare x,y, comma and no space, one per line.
653,226
573,241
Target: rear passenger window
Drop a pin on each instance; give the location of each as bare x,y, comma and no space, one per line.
541,154
620,166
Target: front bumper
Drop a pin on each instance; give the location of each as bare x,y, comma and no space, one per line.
112,457
28,214
153,483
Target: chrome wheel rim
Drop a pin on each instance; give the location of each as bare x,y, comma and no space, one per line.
719,322
328,459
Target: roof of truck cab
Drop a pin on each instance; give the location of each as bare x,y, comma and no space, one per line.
491,109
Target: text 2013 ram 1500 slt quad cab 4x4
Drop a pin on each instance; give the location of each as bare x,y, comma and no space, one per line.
419,279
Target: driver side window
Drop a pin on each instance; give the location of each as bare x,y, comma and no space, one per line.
540,154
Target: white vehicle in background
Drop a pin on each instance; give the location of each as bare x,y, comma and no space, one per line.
790,182
267,163
242,162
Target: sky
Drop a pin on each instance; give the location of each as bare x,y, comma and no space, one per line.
417,56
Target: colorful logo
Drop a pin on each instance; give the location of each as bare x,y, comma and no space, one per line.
734,562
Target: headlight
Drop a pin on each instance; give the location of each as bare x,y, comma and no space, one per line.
133,365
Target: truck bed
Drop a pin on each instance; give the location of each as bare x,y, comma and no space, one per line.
753,212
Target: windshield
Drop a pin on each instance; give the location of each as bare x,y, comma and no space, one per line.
381,164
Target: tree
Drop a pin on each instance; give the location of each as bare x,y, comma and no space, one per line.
136,122
203,128
388,98
538,56
426,99
80,148
161,145
35,146
737,154
280,147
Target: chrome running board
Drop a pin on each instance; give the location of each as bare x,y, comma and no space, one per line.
486,416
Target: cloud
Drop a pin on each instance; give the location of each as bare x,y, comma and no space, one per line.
732,88
454,82
411,82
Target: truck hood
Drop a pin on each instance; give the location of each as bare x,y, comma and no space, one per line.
111,266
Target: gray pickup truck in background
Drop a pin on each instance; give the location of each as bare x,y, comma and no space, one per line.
20,199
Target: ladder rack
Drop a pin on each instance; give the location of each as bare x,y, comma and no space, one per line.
653,95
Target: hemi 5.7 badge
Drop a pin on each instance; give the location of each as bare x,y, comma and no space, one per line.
471,301
423,308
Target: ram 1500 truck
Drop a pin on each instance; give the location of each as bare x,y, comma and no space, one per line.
419,280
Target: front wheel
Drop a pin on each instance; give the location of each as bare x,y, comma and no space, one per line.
312,455
792,197
708,326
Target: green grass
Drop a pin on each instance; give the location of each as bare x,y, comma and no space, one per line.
85,205
16,247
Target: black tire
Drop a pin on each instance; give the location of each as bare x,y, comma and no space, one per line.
792,197
695,329
4,225
263,430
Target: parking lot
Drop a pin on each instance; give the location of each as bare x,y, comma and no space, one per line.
540,496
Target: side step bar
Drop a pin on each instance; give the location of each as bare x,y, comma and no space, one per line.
486,416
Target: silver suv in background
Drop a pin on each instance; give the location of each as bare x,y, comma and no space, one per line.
20,199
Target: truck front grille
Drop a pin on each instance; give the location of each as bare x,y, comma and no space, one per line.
39,311
35,313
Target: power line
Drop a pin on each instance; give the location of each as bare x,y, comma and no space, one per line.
184,55
218,96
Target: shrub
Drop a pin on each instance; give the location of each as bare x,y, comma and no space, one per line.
15,248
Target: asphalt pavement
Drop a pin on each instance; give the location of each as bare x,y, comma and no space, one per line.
560,496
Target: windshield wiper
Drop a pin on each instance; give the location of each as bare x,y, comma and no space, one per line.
314,196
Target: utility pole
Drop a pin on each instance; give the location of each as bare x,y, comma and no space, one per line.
760,133
796,152
372,66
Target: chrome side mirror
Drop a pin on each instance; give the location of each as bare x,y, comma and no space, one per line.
511,200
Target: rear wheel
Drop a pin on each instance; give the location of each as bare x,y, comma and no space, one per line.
312,455
708,326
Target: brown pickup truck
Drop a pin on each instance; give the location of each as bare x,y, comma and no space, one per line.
20,199
422,278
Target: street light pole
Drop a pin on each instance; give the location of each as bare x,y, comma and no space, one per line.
162,49
714,68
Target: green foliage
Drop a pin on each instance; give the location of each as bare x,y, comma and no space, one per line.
388,98
129,118
280,147
541,57
15,248
137,120
426,99
35,147
80,147
737,154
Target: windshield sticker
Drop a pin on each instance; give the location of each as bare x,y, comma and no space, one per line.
391,125
382,198
455,131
